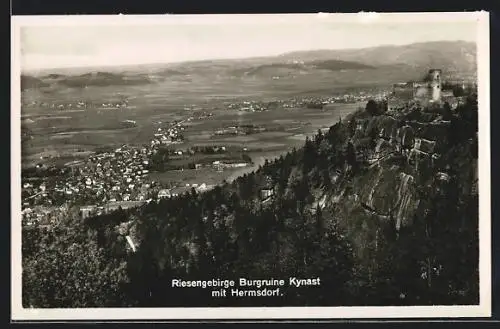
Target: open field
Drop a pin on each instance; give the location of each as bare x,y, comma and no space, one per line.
211,176
94,128
195,176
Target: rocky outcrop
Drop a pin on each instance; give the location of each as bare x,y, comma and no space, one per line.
405,157
407,200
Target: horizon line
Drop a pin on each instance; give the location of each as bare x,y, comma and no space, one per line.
46,69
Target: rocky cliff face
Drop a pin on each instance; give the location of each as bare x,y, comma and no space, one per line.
407,159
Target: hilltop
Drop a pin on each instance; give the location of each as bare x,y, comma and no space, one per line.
29,82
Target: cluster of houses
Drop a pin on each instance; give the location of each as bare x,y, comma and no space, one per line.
167,136
47,215
259,106
240,130
221,165
202,115
252,106
348,98
179,190
105,181
106,177
76,105
113,104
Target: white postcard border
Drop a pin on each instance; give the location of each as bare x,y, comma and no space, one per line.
226,313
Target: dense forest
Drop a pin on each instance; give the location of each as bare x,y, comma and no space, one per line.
383,207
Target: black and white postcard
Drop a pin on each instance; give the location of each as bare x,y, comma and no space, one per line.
292,166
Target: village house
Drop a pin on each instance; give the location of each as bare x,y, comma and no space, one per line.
87,211
164,193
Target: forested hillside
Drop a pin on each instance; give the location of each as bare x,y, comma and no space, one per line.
383,207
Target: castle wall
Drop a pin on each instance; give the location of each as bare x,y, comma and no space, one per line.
422,92
403,93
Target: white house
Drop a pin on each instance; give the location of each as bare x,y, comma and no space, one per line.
165,193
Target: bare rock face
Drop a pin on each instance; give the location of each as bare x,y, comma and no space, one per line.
384,192
408,162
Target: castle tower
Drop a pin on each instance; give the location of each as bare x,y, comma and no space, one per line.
435,84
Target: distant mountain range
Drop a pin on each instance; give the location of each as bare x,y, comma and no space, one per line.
457,55
395,62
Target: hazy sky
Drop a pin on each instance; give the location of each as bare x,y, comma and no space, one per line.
119,40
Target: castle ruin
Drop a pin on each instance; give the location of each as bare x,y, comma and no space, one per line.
423,92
